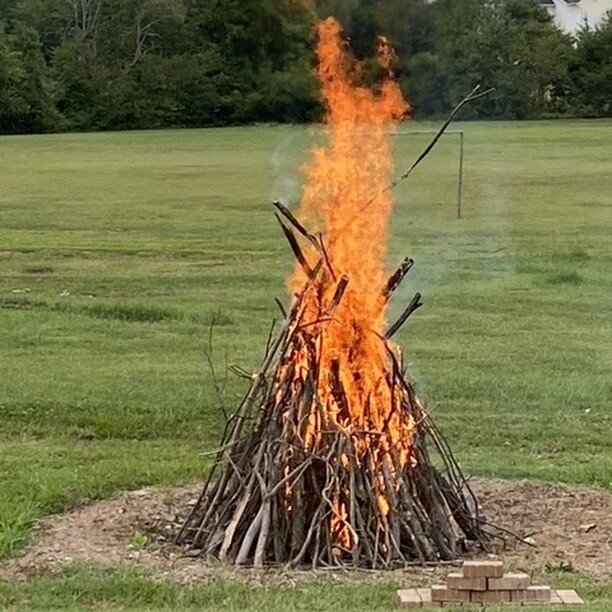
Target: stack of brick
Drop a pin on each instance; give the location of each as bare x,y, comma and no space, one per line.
485,582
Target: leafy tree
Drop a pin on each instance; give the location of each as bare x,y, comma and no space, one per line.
591,71
116,64
83,94
258,44
39,112
12,76
25,97
131,30
50,18
511,45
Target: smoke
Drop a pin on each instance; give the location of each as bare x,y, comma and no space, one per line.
286,183
497,221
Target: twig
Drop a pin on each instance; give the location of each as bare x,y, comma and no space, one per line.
473,95
415,303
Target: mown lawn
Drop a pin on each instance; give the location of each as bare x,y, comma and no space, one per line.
118,251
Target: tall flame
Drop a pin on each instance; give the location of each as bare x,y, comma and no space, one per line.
346,192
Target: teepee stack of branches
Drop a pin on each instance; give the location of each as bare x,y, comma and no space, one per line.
294,485
312,469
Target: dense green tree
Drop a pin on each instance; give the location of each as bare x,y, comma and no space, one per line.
262,51
511,45
117,64
50,18
591,71
12,76
25,94
129,31
82,92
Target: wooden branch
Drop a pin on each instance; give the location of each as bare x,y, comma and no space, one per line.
281,307
295,247
318,244
338,293
397,277
286,462
415,303
296,224
475,94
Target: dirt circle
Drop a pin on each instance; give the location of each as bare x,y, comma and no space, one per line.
568,528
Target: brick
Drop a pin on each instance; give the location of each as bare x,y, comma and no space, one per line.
440,592
425,595
537,593
518,596
409,598
554,598
509,582
483,569
569,597
490,597
459,582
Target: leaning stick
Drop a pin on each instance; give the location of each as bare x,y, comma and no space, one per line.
397,277
475,94
295,247
414,304
298,226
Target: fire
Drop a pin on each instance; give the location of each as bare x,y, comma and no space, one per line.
327,458
346,196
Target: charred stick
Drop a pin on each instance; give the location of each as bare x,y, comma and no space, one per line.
508,532
397,277
314,524
270,337
475,94
298,226
391,496
323,251
414,304
318,244
279,536
281,307
230,530
252,532
295,247
297,472
219,493
262,540
338,293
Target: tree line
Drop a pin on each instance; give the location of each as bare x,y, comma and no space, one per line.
135,64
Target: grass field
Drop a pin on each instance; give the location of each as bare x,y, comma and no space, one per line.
117,251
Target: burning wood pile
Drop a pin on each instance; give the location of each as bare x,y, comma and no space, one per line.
331,459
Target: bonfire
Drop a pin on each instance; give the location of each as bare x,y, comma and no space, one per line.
331,459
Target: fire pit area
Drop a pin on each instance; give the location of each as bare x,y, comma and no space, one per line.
485,582
331,459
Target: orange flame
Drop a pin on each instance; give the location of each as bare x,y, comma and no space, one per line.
346,192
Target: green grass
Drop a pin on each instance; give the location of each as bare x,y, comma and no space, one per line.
79,587
117,251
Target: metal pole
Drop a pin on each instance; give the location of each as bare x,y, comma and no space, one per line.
460,186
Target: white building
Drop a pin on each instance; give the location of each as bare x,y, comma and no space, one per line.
571,15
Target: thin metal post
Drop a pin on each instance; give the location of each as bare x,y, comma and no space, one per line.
460,186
